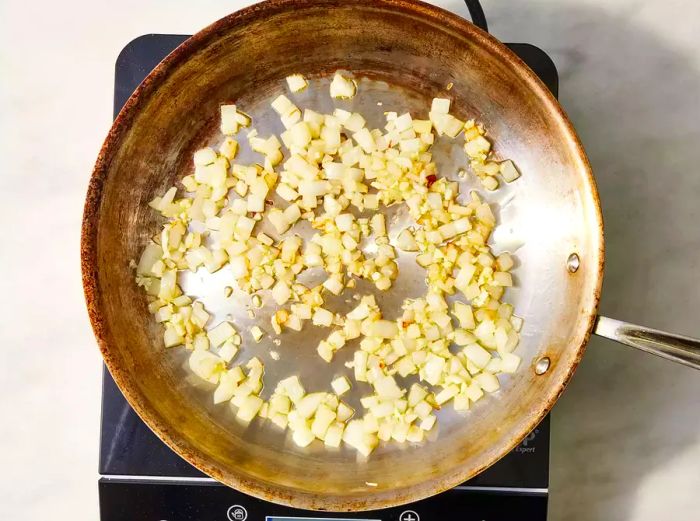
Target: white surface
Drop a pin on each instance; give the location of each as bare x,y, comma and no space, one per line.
625,436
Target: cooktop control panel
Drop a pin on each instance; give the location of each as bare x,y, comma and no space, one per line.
170,501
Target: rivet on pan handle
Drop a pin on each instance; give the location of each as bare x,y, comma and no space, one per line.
477,14
681,349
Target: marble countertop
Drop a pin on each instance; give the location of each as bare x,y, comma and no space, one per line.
625,435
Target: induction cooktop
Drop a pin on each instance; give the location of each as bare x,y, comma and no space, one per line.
142,479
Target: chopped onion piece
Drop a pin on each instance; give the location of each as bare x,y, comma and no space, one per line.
440,105
428,422
249,408
228,351
490,183
296,82
334,435
281,292
322,317
308,404
502,278
509,362
221,333
206,365
232,120
365,140
508,171
477,354
461,402
340,385
342,87
204,156
229,148
334,285
488,382
356,437
257,333
323,418
383,329
477,147
354,123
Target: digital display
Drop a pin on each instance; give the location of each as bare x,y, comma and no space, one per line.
277,518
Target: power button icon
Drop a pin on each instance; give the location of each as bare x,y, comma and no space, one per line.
237,513
409,515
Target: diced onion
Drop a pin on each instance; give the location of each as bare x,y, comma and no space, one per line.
342,87
336,173
340,385
221,333
249,408
440,106
296,82
206,365
508,171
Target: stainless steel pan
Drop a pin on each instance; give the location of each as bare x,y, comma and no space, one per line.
406,53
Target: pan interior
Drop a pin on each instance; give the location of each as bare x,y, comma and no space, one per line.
550,212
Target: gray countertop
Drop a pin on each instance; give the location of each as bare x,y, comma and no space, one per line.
625,435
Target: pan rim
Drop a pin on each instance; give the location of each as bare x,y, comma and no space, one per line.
89,252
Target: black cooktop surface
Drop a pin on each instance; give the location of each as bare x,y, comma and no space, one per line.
144,479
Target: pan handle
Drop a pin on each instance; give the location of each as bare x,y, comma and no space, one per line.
477,14
681,349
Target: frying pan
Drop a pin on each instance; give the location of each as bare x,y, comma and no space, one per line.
403,53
